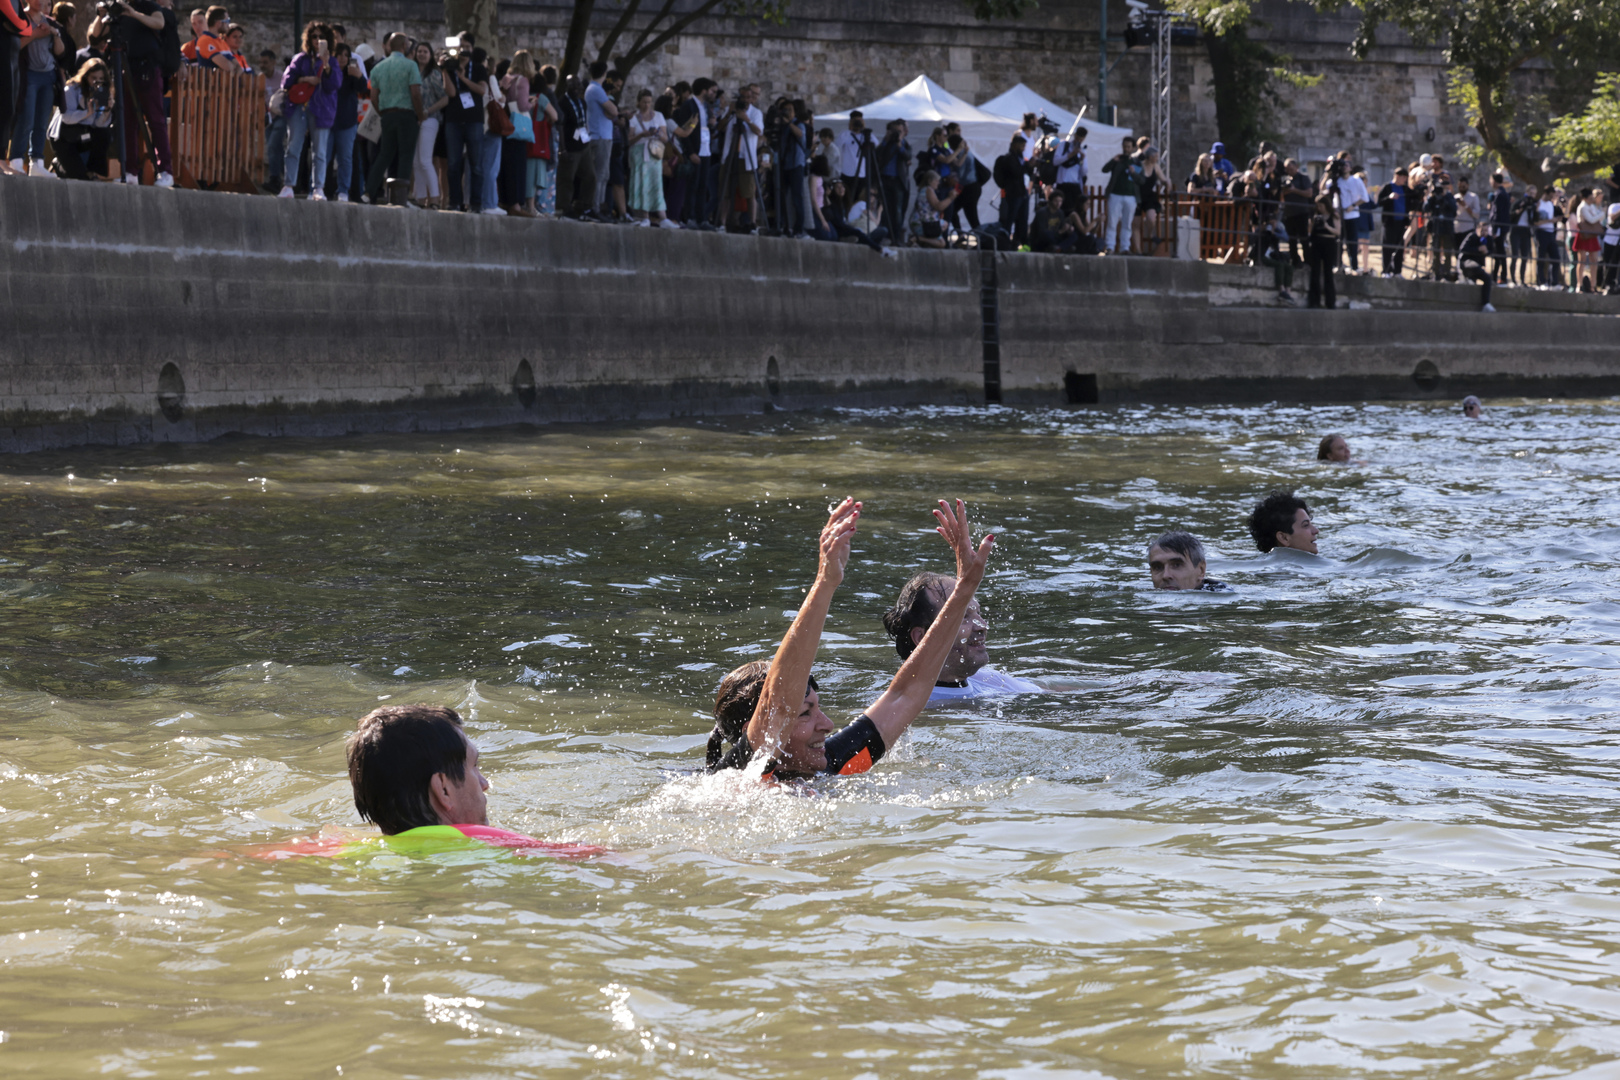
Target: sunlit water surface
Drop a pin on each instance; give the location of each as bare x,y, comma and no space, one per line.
1356,820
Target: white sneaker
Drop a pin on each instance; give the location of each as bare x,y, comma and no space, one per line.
164,180
317,195
642,222
19,164
132,178
493,211
1487,307
667,224
37,167
343,196
285,193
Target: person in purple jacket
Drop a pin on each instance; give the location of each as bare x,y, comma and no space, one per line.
311,68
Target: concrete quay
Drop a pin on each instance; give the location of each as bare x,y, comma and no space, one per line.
138,315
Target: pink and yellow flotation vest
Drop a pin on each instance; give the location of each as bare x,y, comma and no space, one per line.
334,843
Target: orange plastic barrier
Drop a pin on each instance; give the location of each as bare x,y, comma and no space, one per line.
216,127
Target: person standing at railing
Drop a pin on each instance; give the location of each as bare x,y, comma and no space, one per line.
1322,252
210,49
425,177
40,45
346,126
1125,176
1146,221
1352,194
1204,181
1011,176
311,82
465,77
396,94
1394,205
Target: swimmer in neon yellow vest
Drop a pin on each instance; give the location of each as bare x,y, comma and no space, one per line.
415,774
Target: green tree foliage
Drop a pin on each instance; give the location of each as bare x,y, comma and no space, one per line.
1487,43
1249,81
1593,135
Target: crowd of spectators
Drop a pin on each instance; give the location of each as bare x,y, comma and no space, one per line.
1428,224
450,127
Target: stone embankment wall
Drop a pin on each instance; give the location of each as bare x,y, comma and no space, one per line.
135,315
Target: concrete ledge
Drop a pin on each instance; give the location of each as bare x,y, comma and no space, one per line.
138,315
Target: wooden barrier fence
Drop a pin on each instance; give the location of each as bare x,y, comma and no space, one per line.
216,128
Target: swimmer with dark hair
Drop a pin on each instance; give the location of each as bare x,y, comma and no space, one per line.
964,673
1282,520
775,713
1176,563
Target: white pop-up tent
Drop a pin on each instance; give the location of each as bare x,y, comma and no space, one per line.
922,103
1102,141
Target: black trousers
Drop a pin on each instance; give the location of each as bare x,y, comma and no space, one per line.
1445,245
81,146
1474,271
1322,256
1394,245
1610,274
1546,257
576,182
1498,246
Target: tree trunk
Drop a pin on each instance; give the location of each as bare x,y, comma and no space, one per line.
476,17
1241,73
578,27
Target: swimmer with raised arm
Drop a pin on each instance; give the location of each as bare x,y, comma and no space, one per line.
965,673
785,724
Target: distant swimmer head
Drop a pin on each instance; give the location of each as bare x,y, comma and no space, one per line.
734,706
913,613
1333,448
412,765
1282,520
1472,408
1176,561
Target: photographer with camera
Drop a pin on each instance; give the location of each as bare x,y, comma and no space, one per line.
739,162
854,147
1070,158
39,47
792,144
1322,247
146,45
82,137
1125,178
1441,207
894,156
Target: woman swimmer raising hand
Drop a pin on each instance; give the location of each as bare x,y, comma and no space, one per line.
775,710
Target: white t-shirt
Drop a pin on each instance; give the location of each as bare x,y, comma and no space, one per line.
1591,213
1544,216
986,682
1352,193
703,128
637,127
1612,234
749,142
1071,174
849,153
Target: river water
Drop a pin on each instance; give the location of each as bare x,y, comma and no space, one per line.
1355,820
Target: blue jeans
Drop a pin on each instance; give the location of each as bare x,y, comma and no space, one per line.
297,129
33,114
489,161
461,145
1117,231
275,147
343,156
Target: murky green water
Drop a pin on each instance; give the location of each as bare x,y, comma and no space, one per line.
1357,820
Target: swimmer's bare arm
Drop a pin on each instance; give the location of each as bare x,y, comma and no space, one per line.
906,696
789,676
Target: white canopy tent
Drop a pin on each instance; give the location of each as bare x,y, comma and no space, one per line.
1101,141
922,103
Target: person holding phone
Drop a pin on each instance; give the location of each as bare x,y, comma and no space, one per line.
311,83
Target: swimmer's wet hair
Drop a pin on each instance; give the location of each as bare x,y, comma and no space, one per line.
1272,515
1184,544
919,601
394,753
1324,449
734,706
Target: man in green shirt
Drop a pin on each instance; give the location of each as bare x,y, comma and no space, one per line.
396,94
1125,173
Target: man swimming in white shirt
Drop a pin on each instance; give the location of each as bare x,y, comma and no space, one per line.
965,673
